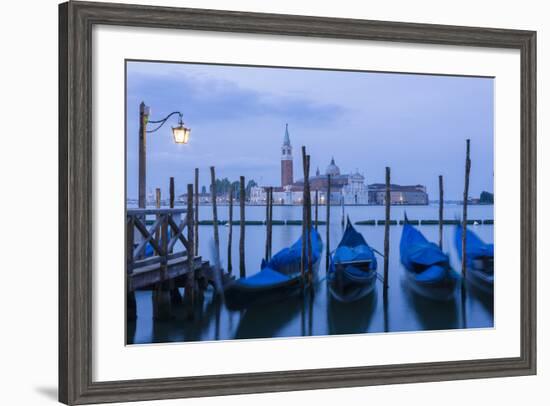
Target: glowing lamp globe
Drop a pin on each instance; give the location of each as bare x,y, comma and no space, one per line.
181,134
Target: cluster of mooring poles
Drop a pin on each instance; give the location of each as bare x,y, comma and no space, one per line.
215,223
441,221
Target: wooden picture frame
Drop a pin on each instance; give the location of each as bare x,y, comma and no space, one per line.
76,20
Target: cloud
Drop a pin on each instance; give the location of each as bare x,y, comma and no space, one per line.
205,98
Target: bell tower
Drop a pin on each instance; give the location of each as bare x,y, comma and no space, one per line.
286,161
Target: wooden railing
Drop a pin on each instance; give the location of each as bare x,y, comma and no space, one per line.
162,235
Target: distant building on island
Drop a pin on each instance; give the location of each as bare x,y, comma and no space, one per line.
413,194
350,188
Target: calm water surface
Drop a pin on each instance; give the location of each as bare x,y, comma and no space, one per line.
318,314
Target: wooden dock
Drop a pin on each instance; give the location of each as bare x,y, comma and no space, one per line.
155,261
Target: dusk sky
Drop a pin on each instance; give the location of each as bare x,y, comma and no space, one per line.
416,124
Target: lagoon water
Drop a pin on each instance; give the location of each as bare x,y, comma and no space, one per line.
319,314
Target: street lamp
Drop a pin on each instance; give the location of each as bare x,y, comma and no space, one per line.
180,134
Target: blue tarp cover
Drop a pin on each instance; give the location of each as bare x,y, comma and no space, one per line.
269,274
422,256
475,247
353,247
359,253
291,255
265,277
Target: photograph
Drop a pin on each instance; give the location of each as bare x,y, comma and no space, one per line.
269,202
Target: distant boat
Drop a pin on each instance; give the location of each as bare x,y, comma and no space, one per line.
426,267
479,260
279,278
352,271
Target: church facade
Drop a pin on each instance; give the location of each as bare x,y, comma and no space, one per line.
348,189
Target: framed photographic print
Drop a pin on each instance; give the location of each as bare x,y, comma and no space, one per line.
259,202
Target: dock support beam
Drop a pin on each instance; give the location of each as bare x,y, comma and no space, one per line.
190,281
131,306
162,301
175,295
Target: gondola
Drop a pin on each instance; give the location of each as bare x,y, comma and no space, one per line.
427,268
352,271
279,278
479,260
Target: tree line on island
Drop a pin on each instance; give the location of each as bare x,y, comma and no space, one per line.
224,187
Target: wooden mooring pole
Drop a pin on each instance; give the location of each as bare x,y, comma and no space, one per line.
440,211
190,281
316,208
242,197
157,198
214,198
268,222
343,211
230,234
266,256
196,212
387,230
157,205
143,118
465,205
308,226
304,219
172,192
327,259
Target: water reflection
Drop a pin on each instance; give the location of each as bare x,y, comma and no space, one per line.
268,320
350,318
430,315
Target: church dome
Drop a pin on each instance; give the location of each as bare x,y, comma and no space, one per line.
332,169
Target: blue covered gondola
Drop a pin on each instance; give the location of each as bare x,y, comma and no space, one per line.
427,268
352,271
279,278
479,260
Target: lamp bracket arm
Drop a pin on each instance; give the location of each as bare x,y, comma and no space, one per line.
163,121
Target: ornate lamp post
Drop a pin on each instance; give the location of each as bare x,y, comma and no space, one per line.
180,134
